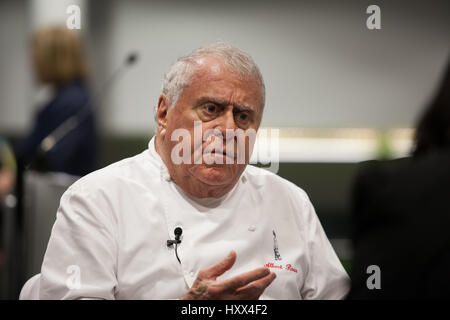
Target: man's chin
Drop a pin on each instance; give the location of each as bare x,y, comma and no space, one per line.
214,175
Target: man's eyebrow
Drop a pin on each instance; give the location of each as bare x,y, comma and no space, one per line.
220,102
244,108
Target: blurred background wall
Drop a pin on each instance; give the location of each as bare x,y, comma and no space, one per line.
325,72
322,66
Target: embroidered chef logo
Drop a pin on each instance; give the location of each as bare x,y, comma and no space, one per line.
277,257
275,246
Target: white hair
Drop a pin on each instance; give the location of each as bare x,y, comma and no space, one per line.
180,73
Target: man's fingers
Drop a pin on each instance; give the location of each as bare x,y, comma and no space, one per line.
244,279
256,288
219,268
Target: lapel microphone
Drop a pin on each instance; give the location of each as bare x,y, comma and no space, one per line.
178,231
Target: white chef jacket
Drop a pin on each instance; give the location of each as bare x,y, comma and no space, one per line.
112,228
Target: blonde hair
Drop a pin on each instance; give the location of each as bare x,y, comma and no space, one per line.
59,56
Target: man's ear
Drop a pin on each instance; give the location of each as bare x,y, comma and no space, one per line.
161,112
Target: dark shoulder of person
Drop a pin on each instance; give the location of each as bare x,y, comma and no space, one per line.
75,152
401,214
69,100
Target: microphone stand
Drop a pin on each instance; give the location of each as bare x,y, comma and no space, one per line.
71,123
48,143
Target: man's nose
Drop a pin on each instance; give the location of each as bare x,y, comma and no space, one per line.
226,122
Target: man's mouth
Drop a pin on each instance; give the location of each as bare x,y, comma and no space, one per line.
223,153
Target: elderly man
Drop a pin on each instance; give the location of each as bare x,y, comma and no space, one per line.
110,238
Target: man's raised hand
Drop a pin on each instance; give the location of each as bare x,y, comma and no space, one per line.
245,286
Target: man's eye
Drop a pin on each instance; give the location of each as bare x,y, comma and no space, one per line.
243,117
211,108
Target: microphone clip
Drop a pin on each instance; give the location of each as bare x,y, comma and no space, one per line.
178,231
172,242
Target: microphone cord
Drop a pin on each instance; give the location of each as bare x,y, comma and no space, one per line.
176,252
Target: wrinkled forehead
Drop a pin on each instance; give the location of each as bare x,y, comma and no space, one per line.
211,66
213,77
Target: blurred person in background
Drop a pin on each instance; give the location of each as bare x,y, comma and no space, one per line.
401,215
58,61
8,169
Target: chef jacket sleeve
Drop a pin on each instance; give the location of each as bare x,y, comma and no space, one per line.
326,278
80,261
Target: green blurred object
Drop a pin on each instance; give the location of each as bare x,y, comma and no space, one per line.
347,264
384,146
7,159
115,147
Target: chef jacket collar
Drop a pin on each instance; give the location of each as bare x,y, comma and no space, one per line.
156,158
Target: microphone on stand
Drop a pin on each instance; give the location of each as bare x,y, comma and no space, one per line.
71,123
